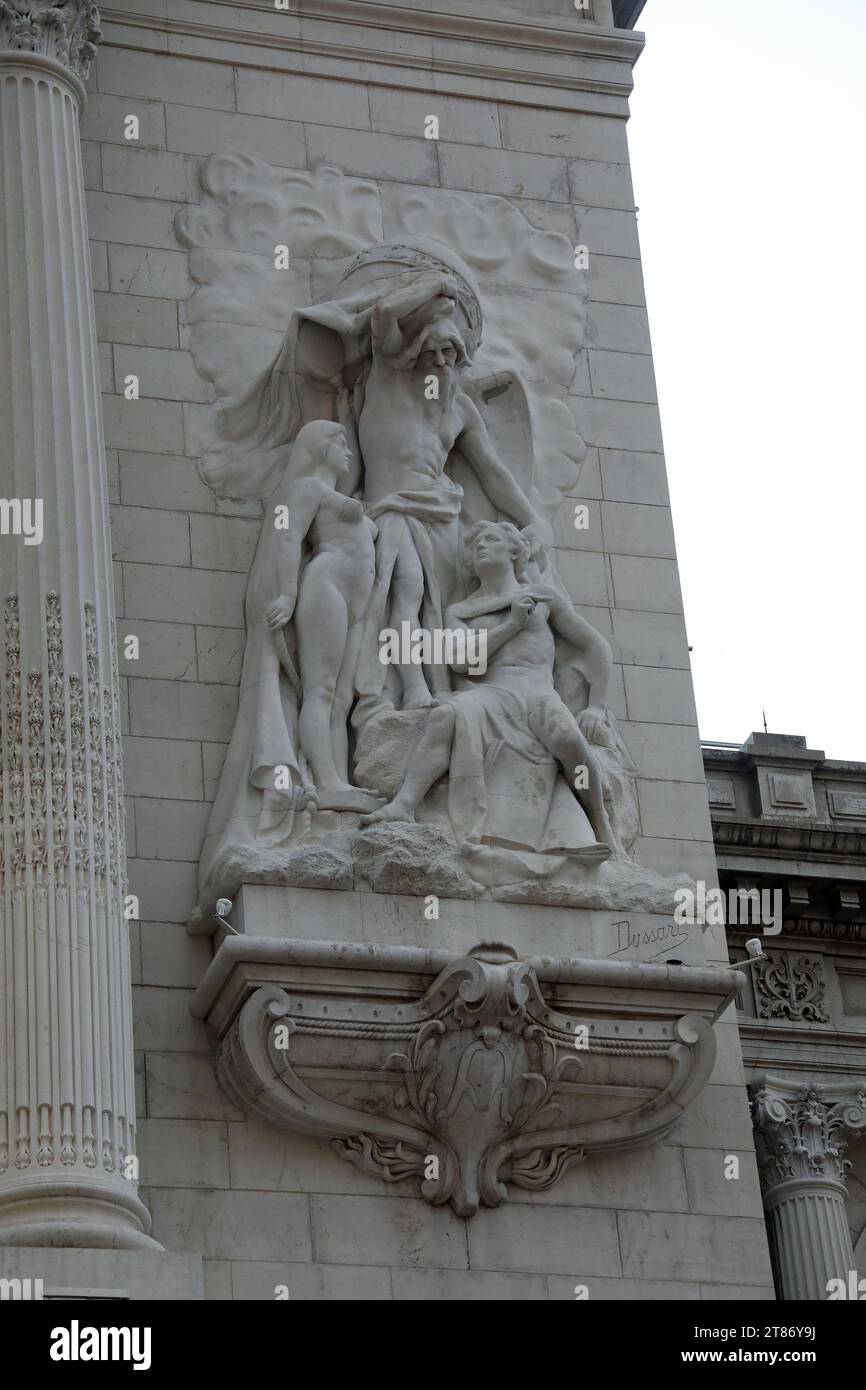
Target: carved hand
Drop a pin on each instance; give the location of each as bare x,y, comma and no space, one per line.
540,533
522,610
593,723
281,610
304,798
344,399
441,307
556,604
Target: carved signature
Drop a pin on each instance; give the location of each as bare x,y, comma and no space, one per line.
629,937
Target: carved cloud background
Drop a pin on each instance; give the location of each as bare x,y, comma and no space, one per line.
241,306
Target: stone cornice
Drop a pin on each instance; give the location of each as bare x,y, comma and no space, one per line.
743,760
789,839
760,1034
63,32
626,13
472,43
838,933
263,954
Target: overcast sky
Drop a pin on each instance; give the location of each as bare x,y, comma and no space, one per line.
748,142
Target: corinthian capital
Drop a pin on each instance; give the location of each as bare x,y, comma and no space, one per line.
803,1131
65,30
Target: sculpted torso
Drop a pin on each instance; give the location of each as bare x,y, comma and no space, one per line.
405,439
342,538
531,650
327,598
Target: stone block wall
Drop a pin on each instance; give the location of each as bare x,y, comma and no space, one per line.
545,126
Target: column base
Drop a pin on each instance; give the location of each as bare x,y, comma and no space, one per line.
137,1275
74,1213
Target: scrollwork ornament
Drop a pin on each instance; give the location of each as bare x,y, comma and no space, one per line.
112,701
14,841
46,758
111,818
57,735
791,986
94,708
39,850
79,769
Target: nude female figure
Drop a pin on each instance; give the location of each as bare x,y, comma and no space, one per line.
327,599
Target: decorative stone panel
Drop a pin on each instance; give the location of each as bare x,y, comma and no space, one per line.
791,986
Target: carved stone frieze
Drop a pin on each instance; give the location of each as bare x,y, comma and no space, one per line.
822,928
465,1073
66,30
791,986
37,808
61,848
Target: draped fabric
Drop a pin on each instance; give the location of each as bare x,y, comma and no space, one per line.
504,787
249,807
430,519
257,424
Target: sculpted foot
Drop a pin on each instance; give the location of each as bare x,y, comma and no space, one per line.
342,796
421,699
395,810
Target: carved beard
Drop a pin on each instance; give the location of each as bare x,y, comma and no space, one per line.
411,354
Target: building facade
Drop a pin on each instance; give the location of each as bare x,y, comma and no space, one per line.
337,965
788,825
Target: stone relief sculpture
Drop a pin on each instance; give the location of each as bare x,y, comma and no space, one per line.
505,739
392,409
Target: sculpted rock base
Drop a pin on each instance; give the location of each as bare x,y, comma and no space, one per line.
421,858
384,747
402,857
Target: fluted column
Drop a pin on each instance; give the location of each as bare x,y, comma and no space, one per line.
801,1133
67,1107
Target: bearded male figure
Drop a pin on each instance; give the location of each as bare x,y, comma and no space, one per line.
388,358
415,412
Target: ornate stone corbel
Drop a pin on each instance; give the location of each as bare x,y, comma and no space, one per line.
490,1071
